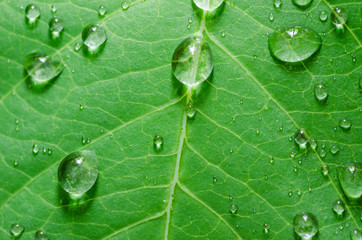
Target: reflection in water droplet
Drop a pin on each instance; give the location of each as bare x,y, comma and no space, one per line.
32,13
313,144
302,3
350,179
16,230
158,142
102,10
321,92
208,5
322,153
345,124
271,17
338,207
323,16
305,225
41,235
223,34
266,228
339,17
93,37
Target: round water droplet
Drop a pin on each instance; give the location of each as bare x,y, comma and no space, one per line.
266,228
190,110
233,209
56,26
305,225
192,61
214,179
208,5
102,10
338,207
322,153
277,4
350,179
290,193
334,149
339,17
292,154
321,92
271,160
356,235
77,172
35,149
17,229
345,124
93,36
41,68
325,170
313,144
53,9
125,5
77,46
294,45
302,3
223,34
158,142
41,235
232,4
323,16
271,17
32,12
301,137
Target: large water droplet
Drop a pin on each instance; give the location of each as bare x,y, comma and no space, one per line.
41,68
17,229
77,172
302,3
32,12
208,5
345,124
356,235
339,17
301,137
233,209
323,16
94,36
305,225
102,10
321,92
192,61
158,142
295,44
350,179
338,207
277,4
56,26
190,110
41,235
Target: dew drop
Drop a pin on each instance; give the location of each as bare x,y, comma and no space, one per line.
334,149
356,235
223,34
325,170
277,4
290,193
345,124
230,197
56,26
208,5
93,37
81,107
271,160
77,172
190,110
232,4
77,46
257,131
281,128
214,179
158,142
192,61
16,163
350,179
41,235
41,68
271,17
189,20
339,17
321,92
16,229
32,13
313,144
292,154
302,3
322,153
233,209
305,225
102,10
53,9
50,151
301,137
35,149
125,5
266,228
323,16
338,207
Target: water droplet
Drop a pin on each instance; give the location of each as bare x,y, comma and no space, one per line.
295,169
93,37
223,34
158,142
321,92
309,188
125,5
232,4
230,197
271,160
334,149
350,179
78,172
271,17
102,11
77,46
16,120
301,137
281,128
192,61
302,3
323,16
339,17
50,151
35,149
313,144
15,163
325,170
266,228
322,153
188,26
233,209
44,150
214,179
277,4
189,20
41,235
209,5
294,45
190,110
290,138
292,154
338,207
257,131
16,229
305,225
56,26
356,235
32,13
81,107
290,193
345,124
299,192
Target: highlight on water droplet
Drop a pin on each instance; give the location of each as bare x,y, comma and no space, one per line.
305,225
42,69
294,44
233,209
323,16
158,142
102,10
208,5
322,153
302,3
350,179
338,207
192,61
339,17
56,27
190,110
345,124
321,92
94,36
41,235
78,172
32,13
301,137
16,230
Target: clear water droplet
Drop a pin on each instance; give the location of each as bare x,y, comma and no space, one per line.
189,20
290,193
53,8
102,10
299,192
339,17
257,131
190,110
277,4
356,235
56,26
41,68
192,61
32,13
334,149
325,170
292,154
309,188
301,137
81,107
302,3
281,128
35,149
295,169
16,163
313,144
94,36
44,150
350,179
223,34
77,46
208,5
41,235
77,172
158,142
323,16
125,5
271,160
271,17
338,207
294,45
50,151
232,4
321,92
322,153
233,209
214,179
345,124
16,229
305,225
17,121
266,228
230,196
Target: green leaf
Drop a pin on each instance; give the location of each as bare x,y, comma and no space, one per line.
128,95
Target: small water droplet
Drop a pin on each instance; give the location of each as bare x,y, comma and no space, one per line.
32,13
299,192
257,131
350,179
305,225
302,3
93,37
56,26
290,193
230,196
35,149
322,153
295,169
232,4
158,142
44,150
345,124
313,144
309,188
125,5
271,160
77,46
321,92
102,10
188,26
16,163
292,154
223,34
190,110
209,5
277,4
233,209
16,229
323,16
271,17
334,149
325,170
50,151
214,179
41,235
338,207
266,228
339,17
81,107
53,9
356,235
189,20
301,137
281,128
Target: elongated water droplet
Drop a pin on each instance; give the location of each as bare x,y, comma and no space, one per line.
41,235
102,10
338,207
35,149
208,5
32,13
94,36
323,16
294,45
334,149
214,179
339,17
266,228
190,110
158,142
189,20
56,26
192,61
230,196
345,124
77,172
321,92
271,160
17,229
125,5
325,170
313,144
271,17
41,68
277,4
305,225
233,209
350,179
356,235
53,9
301,137
302,3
